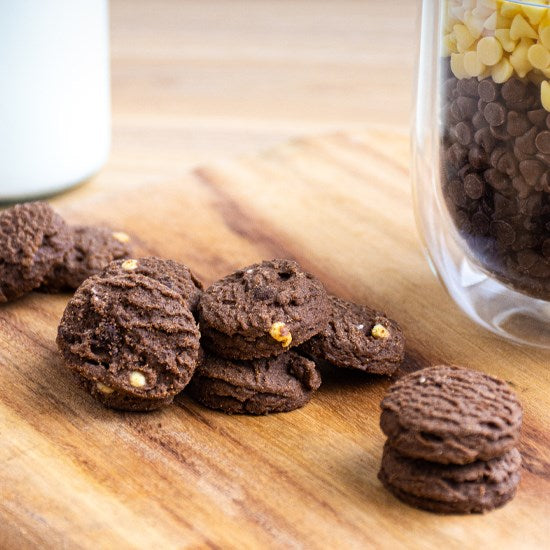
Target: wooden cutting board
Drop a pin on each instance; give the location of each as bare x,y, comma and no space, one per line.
75,475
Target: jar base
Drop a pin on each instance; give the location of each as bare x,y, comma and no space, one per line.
495,306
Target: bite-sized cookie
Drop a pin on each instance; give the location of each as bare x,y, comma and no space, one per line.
33,238
451,415
259,386
131,333
121,400
449,488
172,274
358,337
262,310
93,249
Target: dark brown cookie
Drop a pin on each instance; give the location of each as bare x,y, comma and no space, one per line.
33,238
262,310
358,337
260,386
93,249
451,415
172,274
121,400
449,488
132,334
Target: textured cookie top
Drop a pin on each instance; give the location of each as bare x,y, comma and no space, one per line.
130,333
451,415
288,374
172,274
476,487
360,338
93,249
275,297
33,238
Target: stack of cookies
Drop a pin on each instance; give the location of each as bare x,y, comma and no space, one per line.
452,436
265,328
40,251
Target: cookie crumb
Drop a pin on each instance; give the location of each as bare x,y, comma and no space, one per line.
359,327
380,332
279,331
137,379
104,388
121,236
129,265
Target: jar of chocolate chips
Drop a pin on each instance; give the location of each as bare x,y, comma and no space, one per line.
482,159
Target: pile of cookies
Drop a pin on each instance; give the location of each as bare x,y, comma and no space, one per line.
452,436
140,331
40,251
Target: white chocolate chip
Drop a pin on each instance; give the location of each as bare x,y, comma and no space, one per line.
359,327
137,379
280,332
103,388
380,332
129,265
121,236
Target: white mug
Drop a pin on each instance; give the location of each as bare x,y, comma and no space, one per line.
54,94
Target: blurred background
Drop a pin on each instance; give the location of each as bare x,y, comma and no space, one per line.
194,80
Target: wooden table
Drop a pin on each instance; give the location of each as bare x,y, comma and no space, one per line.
75,475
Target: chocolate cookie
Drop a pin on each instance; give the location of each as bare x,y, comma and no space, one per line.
449,488
33,238
451,415
358,337
93,248
132,334
120,400
262,310
172,274
260,386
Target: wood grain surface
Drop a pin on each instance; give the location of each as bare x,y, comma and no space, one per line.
75,475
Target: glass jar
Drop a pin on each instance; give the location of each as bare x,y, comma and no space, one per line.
481,153
55,126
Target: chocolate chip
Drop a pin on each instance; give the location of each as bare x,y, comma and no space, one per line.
500,133
457,155
544,182
474,186
542,142
477,157
463,133
504,232
478,121
495,179
487,90
513,90
546,248
468,86
537,117
531,170
467,106
494,113
484,138
508,164
526,143
517,124
527,258
480,223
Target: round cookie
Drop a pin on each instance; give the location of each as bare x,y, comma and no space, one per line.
132,334
33,238
262,310
93,249
449,488
451,415
172,274
120,400
260,386
358,337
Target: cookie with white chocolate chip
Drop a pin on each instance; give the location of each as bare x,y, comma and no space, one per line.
130,336
93,248
358,337
262,310
173,274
